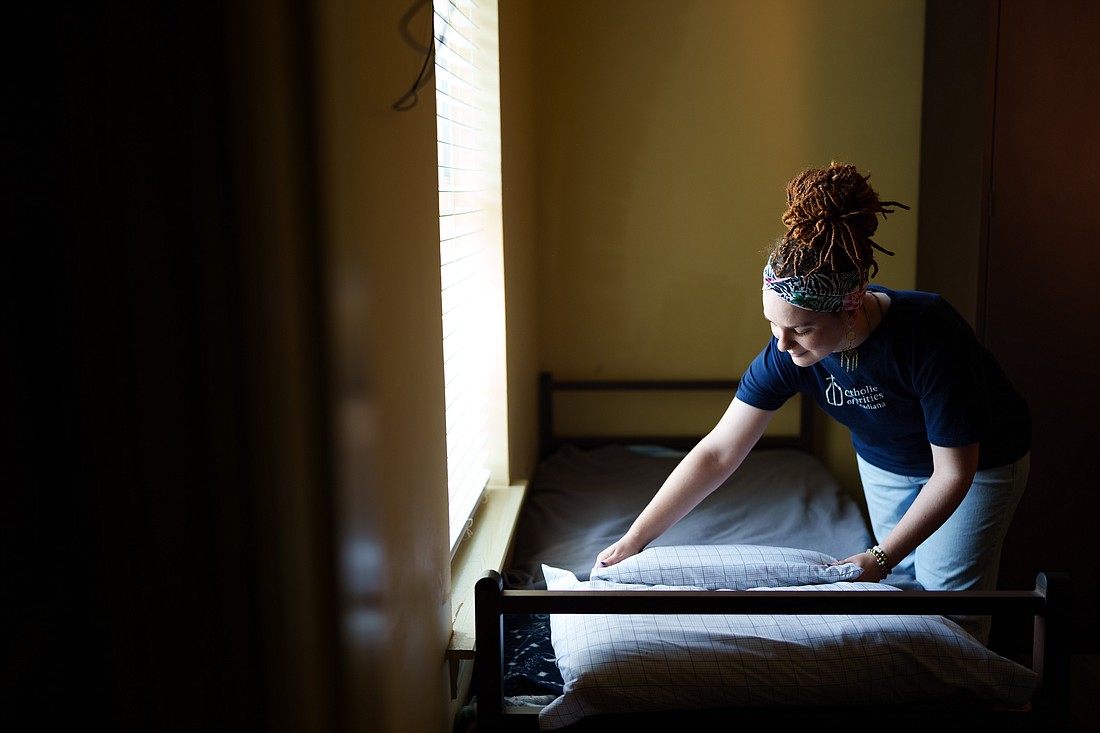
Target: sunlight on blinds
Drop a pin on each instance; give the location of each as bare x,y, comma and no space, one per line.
467,111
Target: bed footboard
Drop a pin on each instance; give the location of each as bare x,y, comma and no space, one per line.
1048,603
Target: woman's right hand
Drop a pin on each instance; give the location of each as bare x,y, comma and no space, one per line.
618,552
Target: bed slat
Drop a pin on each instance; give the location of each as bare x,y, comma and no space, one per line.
825,602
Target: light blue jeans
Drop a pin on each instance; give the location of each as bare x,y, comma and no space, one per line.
965,552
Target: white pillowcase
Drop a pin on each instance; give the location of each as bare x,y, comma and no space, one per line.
613,663
727,567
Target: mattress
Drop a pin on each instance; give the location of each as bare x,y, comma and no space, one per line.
581,501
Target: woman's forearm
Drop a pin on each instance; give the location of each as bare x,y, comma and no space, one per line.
950,481
701,471
695,478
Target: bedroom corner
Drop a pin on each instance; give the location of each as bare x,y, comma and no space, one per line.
226,494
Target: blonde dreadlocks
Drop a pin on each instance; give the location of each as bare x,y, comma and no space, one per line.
831,215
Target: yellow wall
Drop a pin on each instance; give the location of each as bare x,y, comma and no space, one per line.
521,233
666,135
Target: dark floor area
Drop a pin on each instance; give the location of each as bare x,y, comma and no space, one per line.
1084,693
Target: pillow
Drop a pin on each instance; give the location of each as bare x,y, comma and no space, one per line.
727,567
615,663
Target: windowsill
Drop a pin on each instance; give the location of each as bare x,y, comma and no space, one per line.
485,549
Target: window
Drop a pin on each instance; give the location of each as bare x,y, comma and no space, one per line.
471,262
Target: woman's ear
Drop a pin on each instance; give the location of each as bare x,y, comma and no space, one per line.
855,300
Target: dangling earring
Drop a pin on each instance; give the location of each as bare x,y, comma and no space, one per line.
849,358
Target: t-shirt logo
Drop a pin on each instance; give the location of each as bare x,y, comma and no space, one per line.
869,398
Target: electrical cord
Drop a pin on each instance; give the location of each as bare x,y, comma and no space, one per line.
427,69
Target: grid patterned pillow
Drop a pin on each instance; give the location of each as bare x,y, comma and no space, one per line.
727,567
614,663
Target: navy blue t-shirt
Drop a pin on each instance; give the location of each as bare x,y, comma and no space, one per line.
922,378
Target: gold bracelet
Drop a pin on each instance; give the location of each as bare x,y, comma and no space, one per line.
881,559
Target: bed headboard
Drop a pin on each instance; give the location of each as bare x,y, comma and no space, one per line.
550,439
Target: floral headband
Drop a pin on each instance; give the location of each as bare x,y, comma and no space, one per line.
822,292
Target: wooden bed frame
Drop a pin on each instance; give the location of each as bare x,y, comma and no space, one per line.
1048,604
549,440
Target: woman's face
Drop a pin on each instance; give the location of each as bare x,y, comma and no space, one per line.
807,336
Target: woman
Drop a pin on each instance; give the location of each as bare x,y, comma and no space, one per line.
942,438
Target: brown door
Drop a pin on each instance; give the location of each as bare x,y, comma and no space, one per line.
1039,304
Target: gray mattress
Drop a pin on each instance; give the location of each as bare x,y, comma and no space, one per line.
581,501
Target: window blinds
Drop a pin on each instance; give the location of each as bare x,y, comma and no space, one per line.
469,146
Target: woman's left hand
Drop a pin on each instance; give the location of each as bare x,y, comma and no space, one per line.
872,573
